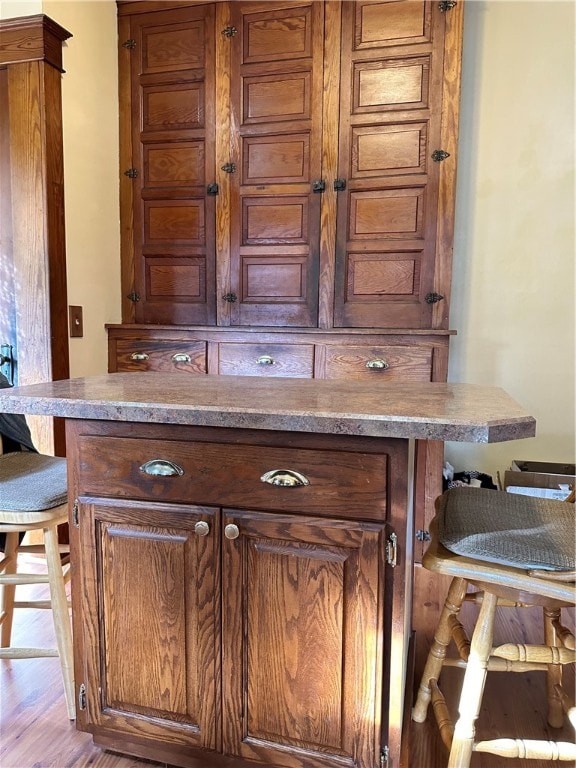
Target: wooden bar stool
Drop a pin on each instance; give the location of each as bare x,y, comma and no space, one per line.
33,494
514,551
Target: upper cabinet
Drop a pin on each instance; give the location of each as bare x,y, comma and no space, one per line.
288,163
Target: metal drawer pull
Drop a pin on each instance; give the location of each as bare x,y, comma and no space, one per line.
139,356
377,364
285,477
202,528
161,467
265,360
181,357
231,531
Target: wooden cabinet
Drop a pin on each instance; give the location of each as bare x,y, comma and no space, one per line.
217,614
287,195
288,163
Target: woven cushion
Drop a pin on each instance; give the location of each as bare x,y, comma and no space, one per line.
507,528
31,482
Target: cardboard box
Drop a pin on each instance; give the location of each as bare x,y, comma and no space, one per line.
538,478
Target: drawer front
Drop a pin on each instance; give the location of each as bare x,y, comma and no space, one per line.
296,360
390,363
340,483
169,356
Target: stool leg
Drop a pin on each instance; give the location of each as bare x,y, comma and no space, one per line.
554,672
9,590
61,616
473,684
437,653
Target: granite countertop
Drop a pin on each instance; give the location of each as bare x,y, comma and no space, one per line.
435,411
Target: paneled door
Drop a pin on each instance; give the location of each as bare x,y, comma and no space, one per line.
275,162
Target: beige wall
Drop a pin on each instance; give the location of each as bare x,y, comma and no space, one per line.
513,279
90,124
513,288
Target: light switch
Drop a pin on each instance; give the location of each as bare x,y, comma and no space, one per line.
76,322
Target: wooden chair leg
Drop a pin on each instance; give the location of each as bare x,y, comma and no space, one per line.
554,673
437,652
473,684
8,590
61,616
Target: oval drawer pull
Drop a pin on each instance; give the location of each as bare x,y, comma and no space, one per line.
231,531
161,467
181,357
285,477
139,356
202,528
377,364
265,360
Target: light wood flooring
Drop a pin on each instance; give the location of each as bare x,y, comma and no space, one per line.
35,731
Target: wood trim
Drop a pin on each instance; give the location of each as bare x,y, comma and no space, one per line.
32,38
126,184
223,151
447,180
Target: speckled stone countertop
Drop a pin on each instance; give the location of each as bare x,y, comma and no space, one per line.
436,411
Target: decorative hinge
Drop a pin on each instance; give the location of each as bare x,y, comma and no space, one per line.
392,549
439,155
230,297
130,43
384,757
229,31
433,297
75,518
132,173
229,167
133,296
423,535
340,185
82,696
319,185
212,189
446,5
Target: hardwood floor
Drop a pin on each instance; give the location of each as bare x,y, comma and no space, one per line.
35,731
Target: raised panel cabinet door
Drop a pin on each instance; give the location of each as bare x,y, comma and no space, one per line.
172,78
151,620
391,111
302,639
275,153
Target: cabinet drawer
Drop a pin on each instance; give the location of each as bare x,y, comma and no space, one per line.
390,363
295,360
341,483
149,355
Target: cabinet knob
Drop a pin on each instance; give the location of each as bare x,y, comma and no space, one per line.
231,531
288,478
265,360
161,467
202,528
377,364
139,356
181,357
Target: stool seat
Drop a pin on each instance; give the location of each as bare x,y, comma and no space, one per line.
33,495
501,550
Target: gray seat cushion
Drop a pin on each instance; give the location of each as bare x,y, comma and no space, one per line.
507,528
31,482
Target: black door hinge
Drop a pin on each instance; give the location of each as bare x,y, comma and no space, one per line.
439,155
229,167
446,5
433,297
230,297
130,43
132,173
212,189
319,185
133,296
75,519
384,757
422,535
229,31
340,185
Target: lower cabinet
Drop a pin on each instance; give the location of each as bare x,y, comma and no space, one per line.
223,634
